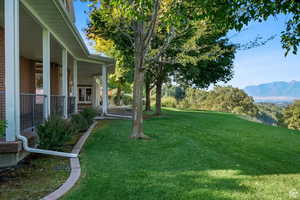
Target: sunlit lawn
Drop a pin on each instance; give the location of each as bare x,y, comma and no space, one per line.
192,155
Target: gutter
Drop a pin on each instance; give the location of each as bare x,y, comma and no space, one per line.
42,151
79,38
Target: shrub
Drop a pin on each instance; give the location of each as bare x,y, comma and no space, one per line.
2,128
127,99
223,99
153,100
169,102
79,123
89,114
54,133
291,116
184,104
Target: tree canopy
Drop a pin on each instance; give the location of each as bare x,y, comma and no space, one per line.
184,39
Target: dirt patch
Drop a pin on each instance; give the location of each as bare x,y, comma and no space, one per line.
36,176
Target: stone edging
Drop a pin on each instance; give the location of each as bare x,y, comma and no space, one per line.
75,168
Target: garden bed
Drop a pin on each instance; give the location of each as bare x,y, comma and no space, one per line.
36,176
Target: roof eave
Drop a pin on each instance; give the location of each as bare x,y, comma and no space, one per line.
89,57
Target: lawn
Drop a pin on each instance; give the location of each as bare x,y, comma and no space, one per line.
192,155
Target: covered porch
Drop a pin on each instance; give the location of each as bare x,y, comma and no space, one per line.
44,65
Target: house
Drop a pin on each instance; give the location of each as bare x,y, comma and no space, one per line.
45,68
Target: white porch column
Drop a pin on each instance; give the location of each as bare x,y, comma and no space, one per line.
46,72
65,81
12,69
96,92
75,84
104,90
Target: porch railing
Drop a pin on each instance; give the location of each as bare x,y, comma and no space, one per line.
57,105
71,105
31,110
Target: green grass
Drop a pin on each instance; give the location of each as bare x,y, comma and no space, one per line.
192,155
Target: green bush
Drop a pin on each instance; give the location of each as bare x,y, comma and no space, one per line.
153,100
54,133
169,102
2,128
184,104
291,116
79,123
223,99
127,99
89,114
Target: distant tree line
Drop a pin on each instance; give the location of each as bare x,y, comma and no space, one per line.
223,99
232,100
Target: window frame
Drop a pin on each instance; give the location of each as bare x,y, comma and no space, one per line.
84,88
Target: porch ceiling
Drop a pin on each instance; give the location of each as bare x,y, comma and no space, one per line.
51,15
88,70
31,41
31,36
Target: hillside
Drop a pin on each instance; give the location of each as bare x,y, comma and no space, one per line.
192,155
277,90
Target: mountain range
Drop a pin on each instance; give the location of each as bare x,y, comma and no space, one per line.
275,90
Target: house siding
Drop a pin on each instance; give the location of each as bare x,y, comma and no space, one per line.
55,79
27,76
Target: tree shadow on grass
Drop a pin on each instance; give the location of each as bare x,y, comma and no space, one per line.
183,185
203,156
256,149
158,185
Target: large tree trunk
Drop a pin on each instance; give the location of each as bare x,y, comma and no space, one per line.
137,126
139,73
148,96
118,96
159,84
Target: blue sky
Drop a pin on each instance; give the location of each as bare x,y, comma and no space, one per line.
251,67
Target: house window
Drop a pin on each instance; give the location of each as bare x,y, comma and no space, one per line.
85,95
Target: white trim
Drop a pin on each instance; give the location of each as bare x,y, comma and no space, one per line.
12,69
70,24
75,82
65,80
46,72
104,91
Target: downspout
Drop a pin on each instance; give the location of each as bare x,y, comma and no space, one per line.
42,151
120,116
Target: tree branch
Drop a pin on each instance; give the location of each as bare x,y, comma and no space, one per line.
165,46
151,28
